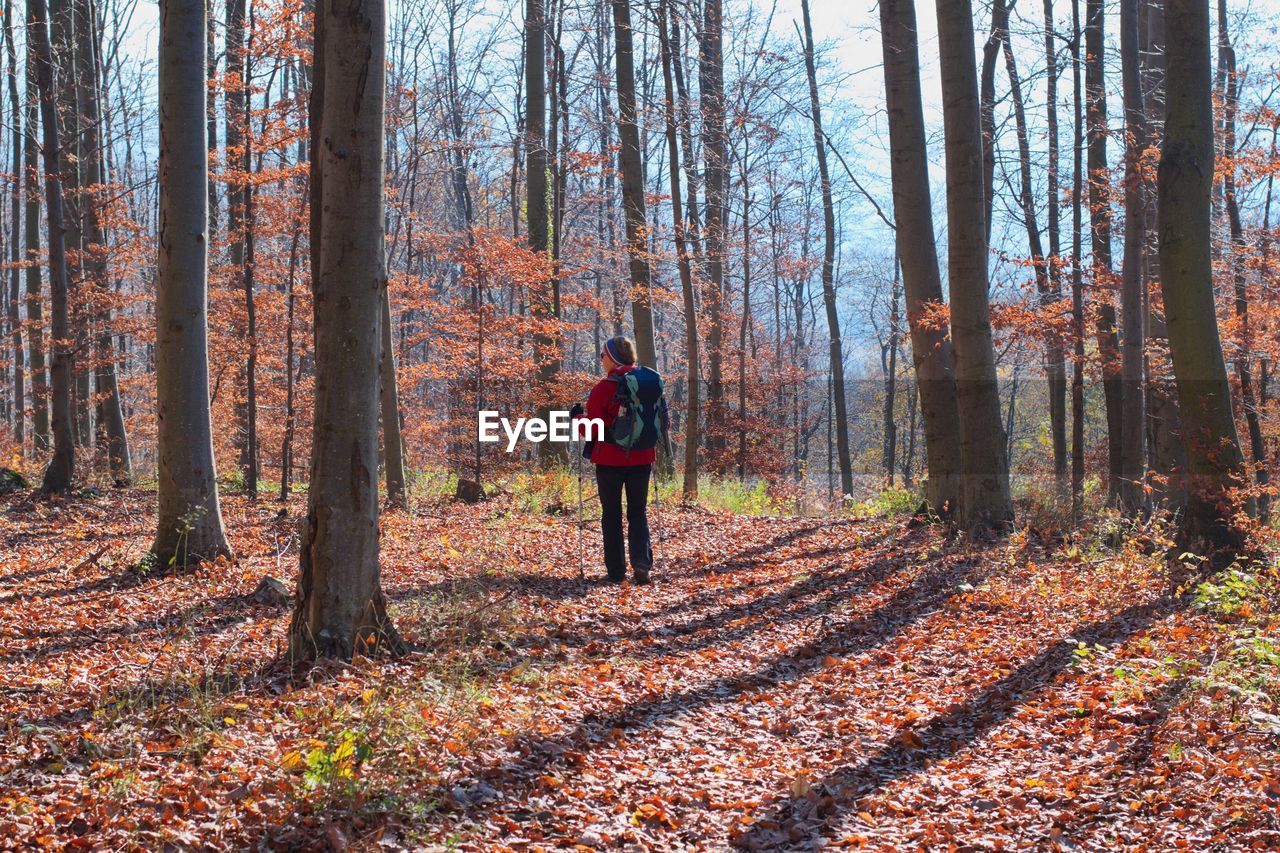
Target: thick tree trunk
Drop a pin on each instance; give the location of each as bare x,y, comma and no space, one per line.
922,282
31,227
1133,412
1186,173
683,264
341,610
829,267
716,183
1167,458
632,168
984,498
189,525
1100,233
61,469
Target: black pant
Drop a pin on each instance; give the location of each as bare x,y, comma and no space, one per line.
611,480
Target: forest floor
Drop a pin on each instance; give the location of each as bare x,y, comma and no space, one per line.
784,683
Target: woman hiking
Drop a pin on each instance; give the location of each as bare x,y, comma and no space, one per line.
630,403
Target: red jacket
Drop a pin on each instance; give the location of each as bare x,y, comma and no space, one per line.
599,406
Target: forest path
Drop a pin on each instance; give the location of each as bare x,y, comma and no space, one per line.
784,683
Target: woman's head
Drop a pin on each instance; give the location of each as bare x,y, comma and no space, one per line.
617,352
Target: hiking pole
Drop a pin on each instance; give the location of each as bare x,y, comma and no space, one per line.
657,516
582,576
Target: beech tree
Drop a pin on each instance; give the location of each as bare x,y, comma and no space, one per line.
829,265
340,608
1214,461
681,227
922,283
1133,420
984,465
189,519
1100,233
632,167
61,469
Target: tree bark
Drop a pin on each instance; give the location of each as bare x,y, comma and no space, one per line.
1046,284
1133,414
632,168
389,400
1214,459
109,412
340,608
189,525
985,502
829,267
1100,234
715,165
35,302
683,263
916,246
61,469
544,306
1244,359
1077,273
15,238
1057,368
1167,458
987,104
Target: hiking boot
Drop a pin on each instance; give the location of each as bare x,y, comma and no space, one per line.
642,577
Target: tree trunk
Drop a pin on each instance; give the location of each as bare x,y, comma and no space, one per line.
829,266
211,112
544,306
984,499
632,168
690,487
15,238
109,412
1244,359
189,526
1167,458
340,609
1133,414
987,105
389,400
1046,286
1185,176
922,282
1100,232
1057,368
61,469
235,101
889,362
1077,274
71,157
35,302
715,158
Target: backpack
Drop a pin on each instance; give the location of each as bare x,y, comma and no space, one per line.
642,410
